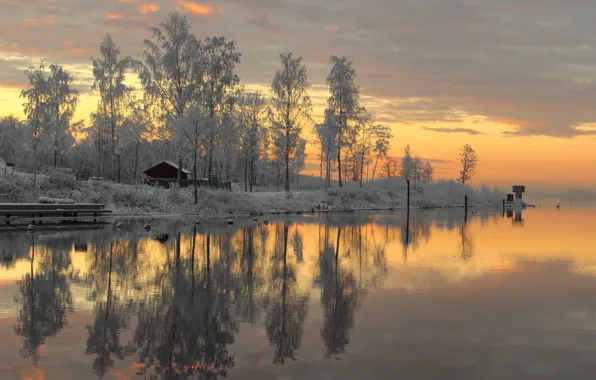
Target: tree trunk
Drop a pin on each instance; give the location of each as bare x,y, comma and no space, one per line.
194,172
34,163
245,172
287,155
118,158
375,169
321,163
361,168
179,171
136,162
252,173
339,161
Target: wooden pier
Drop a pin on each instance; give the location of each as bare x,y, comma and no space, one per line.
40,212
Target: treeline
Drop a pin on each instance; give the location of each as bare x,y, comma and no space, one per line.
192,109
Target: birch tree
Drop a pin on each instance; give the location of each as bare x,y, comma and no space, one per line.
407,164
35,108
109,72
218,80
168,73
343,101
468,160
299,160
367,134
62,102
326,133
427,172
291,107
381,149
253,119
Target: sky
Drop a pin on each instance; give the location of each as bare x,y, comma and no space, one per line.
514,79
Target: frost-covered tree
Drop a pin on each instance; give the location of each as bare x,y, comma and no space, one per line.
343,101
367,135
326,134
299,160
427,172
62,100
132,134
291,107
253,112
418,168
407,164
468,160
216,76
391,167
381,149
11,138
109,72
168,72
35,107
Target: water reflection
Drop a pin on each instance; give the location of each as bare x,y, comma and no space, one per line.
44,297
178,309
286,306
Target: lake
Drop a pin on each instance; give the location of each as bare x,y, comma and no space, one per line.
341,296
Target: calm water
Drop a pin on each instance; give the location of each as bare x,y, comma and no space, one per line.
347,296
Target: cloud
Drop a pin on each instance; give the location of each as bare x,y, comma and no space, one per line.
47,20
469,131
148,8
114,16
199,9
530,65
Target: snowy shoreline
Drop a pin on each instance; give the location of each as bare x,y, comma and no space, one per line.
144,200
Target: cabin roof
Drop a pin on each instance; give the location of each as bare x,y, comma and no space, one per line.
169,163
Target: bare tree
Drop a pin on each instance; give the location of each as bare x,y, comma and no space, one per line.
291,107
427,172
62,101
407,164
367,134
326,134
218,59
168,74
343,100
110,73
253,119
468,160
36,108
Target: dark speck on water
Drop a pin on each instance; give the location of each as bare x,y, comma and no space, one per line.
329,296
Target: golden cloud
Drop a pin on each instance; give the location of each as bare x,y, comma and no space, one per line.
114,16
203,10
148,8
47,20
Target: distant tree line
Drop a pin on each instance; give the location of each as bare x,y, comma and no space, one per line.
192,109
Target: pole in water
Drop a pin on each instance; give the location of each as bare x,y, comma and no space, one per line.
466,209
408,181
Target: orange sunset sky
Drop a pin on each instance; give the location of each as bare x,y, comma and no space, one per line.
516,80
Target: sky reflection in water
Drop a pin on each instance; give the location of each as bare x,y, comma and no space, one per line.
442,296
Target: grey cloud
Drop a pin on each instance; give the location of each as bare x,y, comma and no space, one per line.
531,64
468,131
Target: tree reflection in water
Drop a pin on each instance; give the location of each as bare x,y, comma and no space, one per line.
111,278
187,328
45,297
287,308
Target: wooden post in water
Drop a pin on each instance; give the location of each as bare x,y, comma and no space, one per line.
466,209
408,205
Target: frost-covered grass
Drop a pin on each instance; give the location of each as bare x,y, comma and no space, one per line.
141,199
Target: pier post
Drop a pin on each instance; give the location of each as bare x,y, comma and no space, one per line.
408,205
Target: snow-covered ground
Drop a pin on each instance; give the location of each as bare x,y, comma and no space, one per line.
142,199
